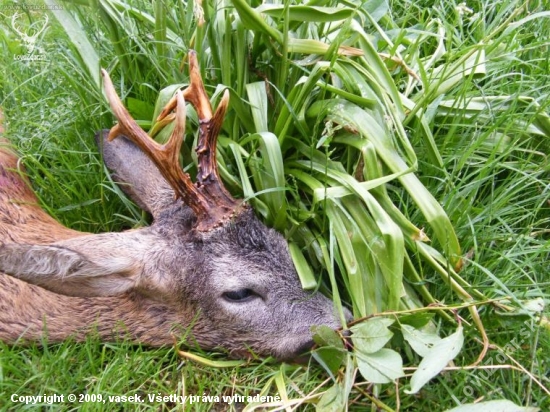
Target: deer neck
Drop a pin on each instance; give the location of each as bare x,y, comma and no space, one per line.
31,313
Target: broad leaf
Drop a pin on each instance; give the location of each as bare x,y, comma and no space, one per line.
325,336
372,335
333,400
383,366
422,342
436,359
332,352
330,358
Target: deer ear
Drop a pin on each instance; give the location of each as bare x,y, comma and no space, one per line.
135,173
95,265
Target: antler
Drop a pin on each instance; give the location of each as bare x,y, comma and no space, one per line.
208,198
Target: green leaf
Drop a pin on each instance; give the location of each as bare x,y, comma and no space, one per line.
383,366
421,341
272,179
238,153
307,278
436,359
331,359
446,76
376,8
372,335
306,13
325,336
344,242
281,385
333,400
164,97
493,406
209,362
258,104
416,320
139,109
253,20
311,46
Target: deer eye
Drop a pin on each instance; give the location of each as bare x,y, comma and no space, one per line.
240,295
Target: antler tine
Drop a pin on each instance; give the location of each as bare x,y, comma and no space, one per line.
206,148
165,157
208,179
194,93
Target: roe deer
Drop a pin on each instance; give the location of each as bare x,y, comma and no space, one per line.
206,263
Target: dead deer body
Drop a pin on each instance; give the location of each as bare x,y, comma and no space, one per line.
206,266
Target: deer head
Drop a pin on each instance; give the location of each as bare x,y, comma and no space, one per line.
205,263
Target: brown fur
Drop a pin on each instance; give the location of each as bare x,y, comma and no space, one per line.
26,311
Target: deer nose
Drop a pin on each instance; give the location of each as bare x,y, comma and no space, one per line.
303,356
305,347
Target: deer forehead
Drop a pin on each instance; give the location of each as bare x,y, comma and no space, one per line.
260,274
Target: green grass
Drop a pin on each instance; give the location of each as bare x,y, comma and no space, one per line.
485,164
